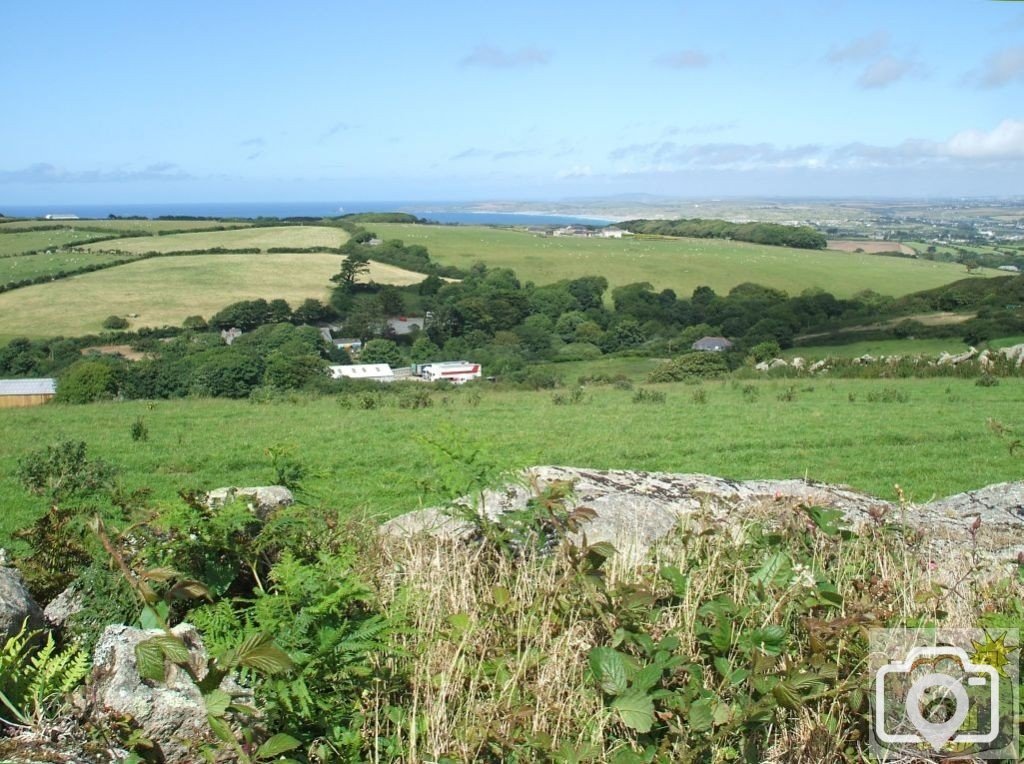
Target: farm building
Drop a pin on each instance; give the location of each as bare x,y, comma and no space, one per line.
1009,268
613,233
456,372
16,393
714,344
378,372
351,345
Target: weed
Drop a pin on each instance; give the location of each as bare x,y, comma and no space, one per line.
646,395
699,396
573,398
888,395
139,430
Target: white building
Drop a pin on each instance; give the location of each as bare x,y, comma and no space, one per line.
456,372
378,372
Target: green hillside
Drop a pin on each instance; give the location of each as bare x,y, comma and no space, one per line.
679,264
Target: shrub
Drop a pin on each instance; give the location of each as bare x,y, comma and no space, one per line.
139,430
646,395
691,366
115,322
87,381
197,323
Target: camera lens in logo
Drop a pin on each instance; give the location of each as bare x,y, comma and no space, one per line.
937,733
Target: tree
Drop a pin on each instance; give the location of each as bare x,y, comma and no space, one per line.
381,351
356,264
423,350
430,285
228,373
391,301
291,372
311,311
279,311
87,381
245,315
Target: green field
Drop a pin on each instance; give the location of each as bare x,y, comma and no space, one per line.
299,237
165,290
124,225
30,266
30,241
930,347
680,264
374,461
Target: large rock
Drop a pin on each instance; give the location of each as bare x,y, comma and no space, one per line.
262,500
636,509
171,713
66,604
1014,353
16,605
945,359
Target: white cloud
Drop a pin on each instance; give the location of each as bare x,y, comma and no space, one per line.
44,172
885,71
1004,141
966,149
1001,68
495,58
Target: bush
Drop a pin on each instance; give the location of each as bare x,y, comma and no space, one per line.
139,430
115,322
692,366
197,323
87,381
645,395
579,351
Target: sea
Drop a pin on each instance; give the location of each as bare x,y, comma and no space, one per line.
439,212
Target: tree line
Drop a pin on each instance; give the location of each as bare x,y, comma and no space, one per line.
773,234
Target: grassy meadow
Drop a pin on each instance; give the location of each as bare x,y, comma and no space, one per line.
679,264
376,462
164,291
299,237
931,346
30,241
30,266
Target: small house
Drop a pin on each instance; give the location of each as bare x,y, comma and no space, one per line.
713,344
17,393
377,372
351,345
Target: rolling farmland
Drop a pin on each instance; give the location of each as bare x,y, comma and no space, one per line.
164,291
679,264
299,237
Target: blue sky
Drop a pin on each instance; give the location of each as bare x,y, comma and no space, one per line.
270,101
